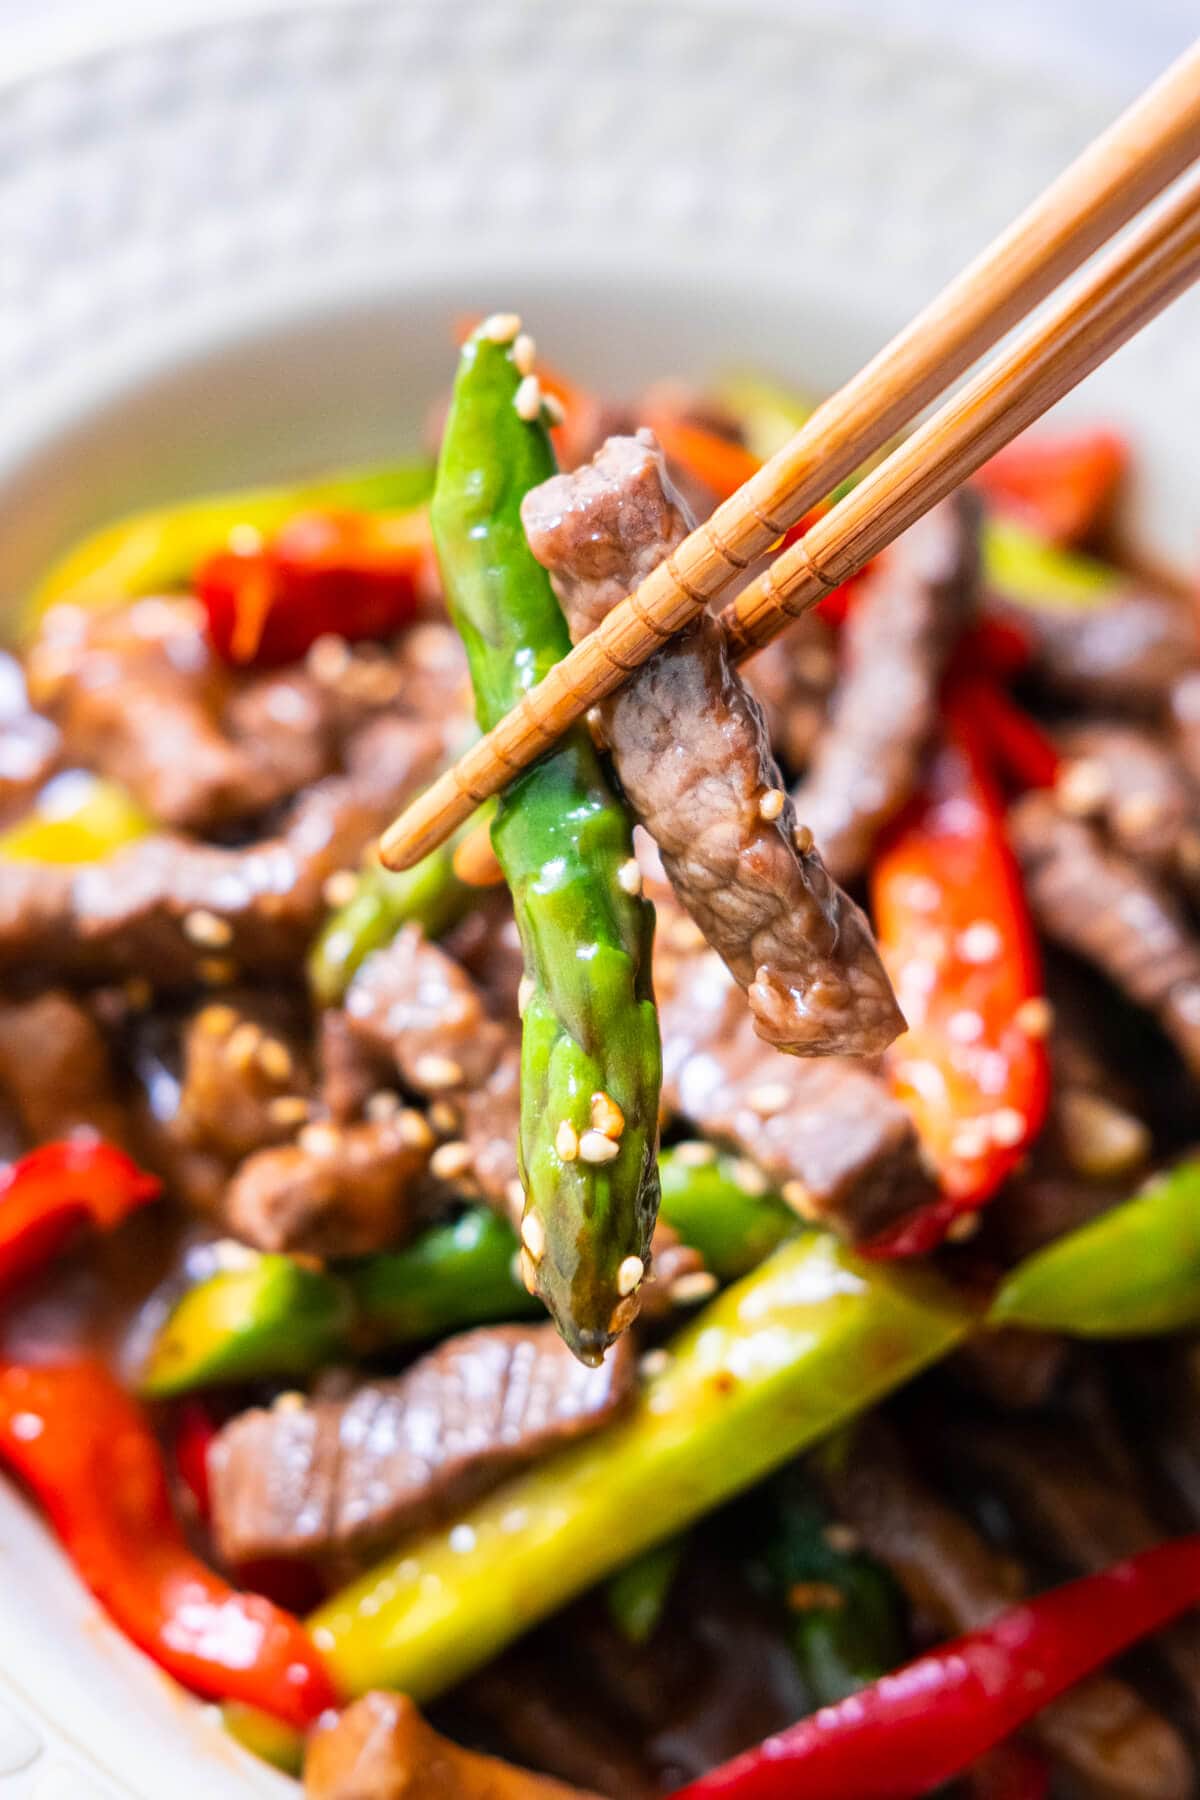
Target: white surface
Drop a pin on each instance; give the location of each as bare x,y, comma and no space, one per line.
236,251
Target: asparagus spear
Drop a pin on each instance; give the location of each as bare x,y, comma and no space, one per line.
591,1062
771,1366
157,550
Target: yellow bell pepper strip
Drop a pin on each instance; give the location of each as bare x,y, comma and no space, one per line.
1132,1272
87,1452
1025,568
157,551
48,1194
767,413
77,817
772,1365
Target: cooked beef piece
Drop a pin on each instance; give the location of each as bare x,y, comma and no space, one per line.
346,1475
1184,715
240,1060
691,749
1078,1514
339,1190
56,1071
826,1130
1161,1393
381,1749
1124,656
1095,902
29,743
488,945
1101,1731
140,696
423,674
175,911
1016,1370
537,1703
1042,1203
413,1003
1129,780
905,621
351,1069
792,679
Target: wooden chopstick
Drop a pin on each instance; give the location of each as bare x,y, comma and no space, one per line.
1105,308
1135,159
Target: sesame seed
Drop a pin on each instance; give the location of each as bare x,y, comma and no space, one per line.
451,1160
629,1274
770,1098
340,888
566,1141
533,1236
607,1116
798,1195
524,353
274,1059
528,1270
290,1402
328,658
414,1130
629,876
515,1193
528,399
749,1176
525,989
320,1140
1035,1017
231,1256
1008,1127
554,409
287,1109
243,1046
970,1140
501,327
654,1364
444,1118
698,1284
802,837
815,1596
217,971
207,930
1139,812
842,1538
770,804
433,1071
382,1104
964,1227
1082,787
594,1147
694,1155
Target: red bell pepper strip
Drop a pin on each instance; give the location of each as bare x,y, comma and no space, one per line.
718,463
1017,747
48,1194
195,1429
934,1718
1060,485
356,575
959,944
85,1449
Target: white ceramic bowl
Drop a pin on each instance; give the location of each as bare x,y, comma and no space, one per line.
235,248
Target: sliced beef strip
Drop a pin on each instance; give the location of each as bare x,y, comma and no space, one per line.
380,1748
692,753
1078,1514
240,1059
1095,902
140,696
905,621
346,1475
1129,780
137,912
1102,1732
339,1190
826,1130
1183,711
29,743
56,1070
792,679
1124,657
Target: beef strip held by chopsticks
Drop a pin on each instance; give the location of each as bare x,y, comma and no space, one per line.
692,753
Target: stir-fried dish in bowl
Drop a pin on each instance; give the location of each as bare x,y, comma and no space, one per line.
575,1317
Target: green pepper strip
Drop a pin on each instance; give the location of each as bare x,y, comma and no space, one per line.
637,1595
1132,1272
710,1206
772,1365
430,895
590,1025
157,550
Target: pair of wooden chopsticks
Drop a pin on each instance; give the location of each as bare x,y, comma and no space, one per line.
1131,163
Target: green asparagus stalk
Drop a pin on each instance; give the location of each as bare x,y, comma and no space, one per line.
155,552
430,895
1132,1272
590,1035
771,1366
